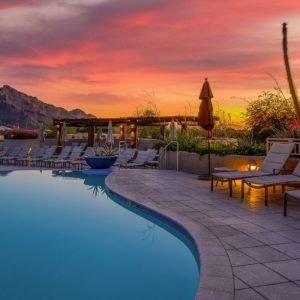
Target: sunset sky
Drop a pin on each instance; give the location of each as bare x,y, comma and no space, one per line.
108,57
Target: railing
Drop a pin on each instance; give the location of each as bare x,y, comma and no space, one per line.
177,154
122,145
296,150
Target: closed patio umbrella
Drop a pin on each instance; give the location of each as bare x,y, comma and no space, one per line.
42,135
64,136
98,136
205,117
109,133
172,129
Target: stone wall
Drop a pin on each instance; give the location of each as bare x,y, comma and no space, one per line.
198,164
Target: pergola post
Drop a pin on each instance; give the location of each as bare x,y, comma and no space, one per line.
133,135
91,135
58,135
162,132
122,133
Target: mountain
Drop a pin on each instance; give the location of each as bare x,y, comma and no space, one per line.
19,109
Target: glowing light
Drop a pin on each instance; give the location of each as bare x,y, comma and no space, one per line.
252,165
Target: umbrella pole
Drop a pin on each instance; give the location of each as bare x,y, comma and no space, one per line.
208,147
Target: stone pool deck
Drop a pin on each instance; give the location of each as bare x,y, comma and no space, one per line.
247,250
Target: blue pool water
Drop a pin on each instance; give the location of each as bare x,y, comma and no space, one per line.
64,236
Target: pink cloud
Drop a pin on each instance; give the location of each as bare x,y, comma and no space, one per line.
131,45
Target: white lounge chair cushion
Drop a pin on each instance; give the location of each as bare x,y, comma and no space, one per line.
239,174
271,180
294,194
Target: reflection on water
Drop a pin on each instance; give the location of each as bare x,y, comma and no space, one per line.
94,182
148,233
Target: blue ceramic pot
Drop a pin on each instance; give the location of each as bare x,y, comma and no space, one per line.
100,162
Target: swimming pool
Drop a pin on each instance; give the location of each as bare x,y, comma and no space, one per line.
65,236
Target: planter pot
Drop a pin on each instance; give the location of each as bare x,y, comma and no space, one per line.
100,162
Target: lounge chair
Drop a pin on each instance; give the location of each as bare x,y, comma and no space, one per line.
4,152
142,158
290,194
271,181
9,155
125,156
75,154
36,152
48,154
272,164
64,154
22,154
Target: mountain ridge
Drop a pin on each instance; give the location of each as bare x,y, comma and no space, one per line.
22,110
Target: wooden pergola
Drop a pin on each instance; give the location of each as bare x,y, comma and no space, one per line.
132,122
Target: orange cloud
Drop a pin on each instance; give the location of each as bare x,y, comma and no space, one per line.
103,56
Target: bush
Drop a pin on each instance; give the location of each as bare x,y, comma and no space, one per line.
269,115
190,142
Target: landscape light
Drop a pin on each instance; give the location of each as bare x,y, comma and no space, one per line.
252,165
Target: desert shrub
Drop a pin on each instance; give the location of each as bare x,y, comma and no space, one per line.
269,115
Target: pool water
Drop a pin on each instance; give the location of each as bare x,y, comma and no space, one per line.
65,236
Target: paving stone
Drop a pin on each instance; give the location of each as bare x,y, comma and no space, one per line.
297,282
257,275
224,230
283,291
270,238
248,228
238,258
221,284
208,294
216,213
293,235
291,249
238,284
247,294
226,246
230,220
289,269
264,254
216,270
241,241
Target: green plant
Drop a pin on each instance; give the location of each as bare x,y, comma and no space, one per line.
106,150
190,141
271,113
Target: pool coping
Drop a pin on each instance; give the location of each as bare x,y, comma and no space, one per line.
216,280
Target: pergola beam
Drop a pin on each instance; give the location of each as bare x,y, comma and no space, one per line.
133,122
149,121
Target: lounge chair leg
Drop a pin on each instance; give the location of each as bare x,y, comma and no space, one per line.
274,189
266,196
283,188
230,187
243,190
212,183
285,204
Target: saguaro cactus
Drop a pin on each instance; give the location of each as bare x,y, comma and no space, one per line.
292,87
